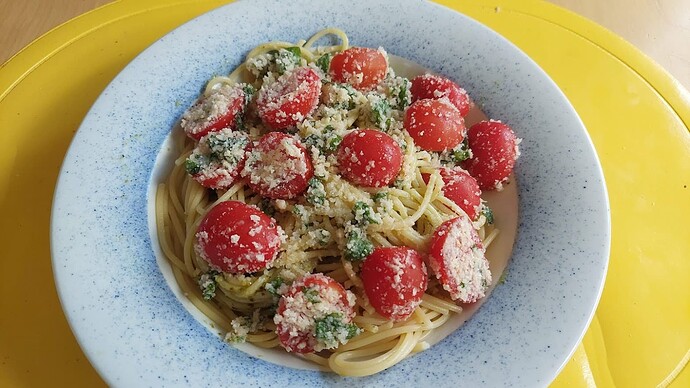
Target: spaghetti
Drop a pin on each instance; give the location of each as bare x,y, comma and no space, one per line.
323,227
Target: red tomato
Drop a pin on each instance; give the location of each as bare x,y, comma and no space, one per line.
278,167
287,101
213,112
307,300
395,280
435,125
361,67
461,188
435,87
237,238
218,158
494,152
369,158
457,259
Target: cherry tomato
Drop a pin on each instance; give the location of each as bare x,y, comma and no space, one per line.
369,158
278,167
361,67
292,97
435,87
461,188
435,125
237,238
220,109
218,158
494,152
457,259
395,280
307,300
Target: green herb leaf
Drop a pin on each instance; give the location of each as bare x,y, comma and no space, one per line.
364,214
287,58
488,214
208,284
316,192
380,113
312,294
380,195
332,330
402,95
191,166
461,152
274,285
324,62
358,245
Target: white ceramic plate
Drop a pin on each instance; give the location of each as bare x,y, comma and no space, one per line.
136,332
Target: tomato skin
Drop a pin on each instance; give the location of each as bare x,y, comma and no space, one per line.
237,238
395,279
347,66
369,158
456,257
302,340
292,97
494,152
278,167
229,100
461,188
435,125
435,87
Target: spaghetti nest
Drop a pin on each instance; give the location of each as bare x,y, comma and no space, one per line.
318,226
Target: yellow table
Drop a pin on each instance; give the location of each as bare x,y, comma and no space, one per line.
637,116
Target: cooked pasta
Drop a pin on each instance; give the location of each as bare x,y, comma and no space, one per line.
330,226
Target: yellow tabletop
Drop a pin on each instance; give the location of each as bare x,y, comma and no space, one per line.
637,115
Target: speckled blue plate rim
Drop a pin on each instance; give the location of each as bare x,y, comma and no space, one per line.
136,333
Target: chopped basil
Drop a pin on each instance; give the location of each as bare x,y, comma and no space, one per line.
191,166
323,236
403,95
274,285
287,58
380,195
324,62
248,93
312,294
380,114
358,245
226,147
364,214
208,284
461,152
332,330
316,192
488,214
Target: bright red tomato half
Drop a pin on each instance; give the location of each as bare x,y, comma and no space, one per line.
237,238
220,109
308,299
218,158
494,152
457,259
395,280
278,167
435,125
369,158
287,101
461,188
361,67
436,87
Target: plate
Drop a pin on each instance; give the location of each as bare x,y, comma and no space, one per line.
135,331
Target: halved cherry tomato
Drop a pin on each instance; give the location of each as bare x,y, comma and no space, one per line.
361,67
237,238
369,158
218,158
435,125
457,259
461,188
292,97
494,152
308,300
435,87
278,167
395,280
220,109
